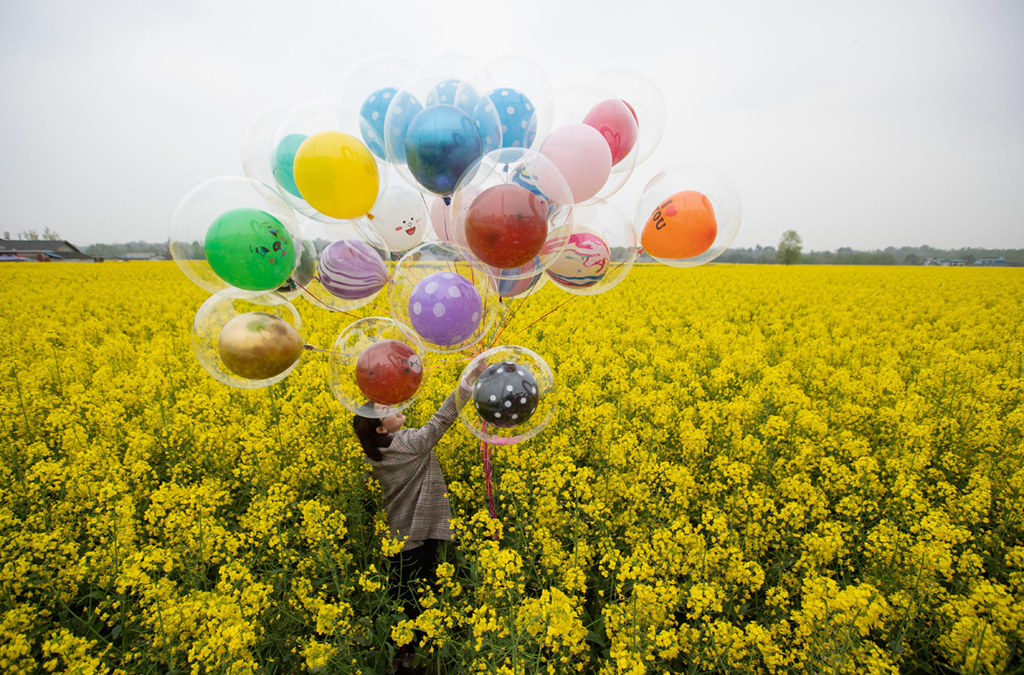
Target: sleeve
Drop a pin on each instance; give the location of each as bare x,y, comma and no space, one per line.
421,440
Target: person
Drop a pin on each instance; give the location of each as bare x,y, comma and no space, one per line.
413,488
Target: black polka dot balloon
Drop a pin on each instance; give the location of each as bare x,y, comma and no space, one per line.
505,394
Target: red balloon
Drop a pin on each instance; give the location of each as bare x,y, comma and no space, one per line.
389,372
506,226
617,122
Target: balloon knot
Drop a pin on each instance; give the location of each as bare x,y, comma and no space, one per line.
447,201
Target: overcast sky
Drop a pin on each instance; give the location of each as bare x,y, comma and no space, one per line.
863,124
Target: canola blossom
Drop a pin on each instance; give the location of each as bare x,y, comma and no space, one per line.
751,470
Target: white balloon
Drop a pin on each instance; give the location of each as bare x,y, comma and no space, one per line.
401,216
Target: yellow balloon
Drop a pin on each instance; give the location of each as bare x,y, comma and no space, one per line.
336,174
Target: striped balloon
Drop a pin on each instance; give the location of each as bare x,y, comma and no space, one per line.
350,269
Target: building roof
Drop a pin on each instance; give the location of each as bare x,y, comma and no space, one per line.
54,249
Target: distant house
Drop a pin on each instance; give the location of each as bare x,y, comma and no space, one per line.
943,262
142,256
991,262
45,250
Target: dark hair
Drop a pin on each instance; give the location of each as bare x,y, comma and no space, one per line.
371,439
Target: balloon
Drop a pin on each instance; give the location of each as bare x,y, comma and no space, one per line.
445,308
601,257
440,144
582,156
683,226
617,123
690,215
517,287
490,415
350,269
347,353
337,175
250,249
443,92
400,216
420,294
247,343
259,346
584,262
258,147
506,226
371,118
389,372
283,159
517,115
506,394
644,99
396,125
506,223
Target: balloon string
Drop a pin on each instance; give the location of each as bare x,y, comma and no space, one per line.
498,325
543,317
311,348
317,301
516,312
485,451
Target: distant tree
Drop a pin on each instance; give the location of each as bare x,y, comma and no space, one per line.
790,247
50,235
912,259
28,235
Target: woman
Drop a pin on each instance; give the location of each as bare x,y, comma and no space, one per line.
413,487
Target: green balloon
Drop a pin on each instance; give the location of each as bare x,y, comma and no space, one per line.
250,249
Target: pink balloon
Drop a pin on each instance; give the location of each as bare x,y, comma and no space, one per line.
617,123
582,156
441,216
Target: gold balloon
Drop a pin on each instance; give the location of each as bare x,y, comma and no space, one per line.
259,346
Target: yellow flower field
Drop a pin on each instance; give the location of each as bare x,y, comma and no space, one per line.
753,470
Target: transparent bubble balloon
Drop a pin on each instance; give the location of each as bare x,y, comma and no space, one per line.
321,164
376,367
430,140
510,288
448,302
600,252
369,87
513,399
303,275
519,89
352,265
688,215
589,175
512,213
645,100
256,144
235,232
401,217
247,343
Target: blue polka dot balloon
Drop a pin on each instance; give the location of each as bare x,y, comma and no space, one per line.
371,122
403,109
517,115
488,123
443,93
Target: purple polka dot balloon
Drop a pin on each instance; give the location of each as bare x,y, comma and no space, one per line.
351,269
445,308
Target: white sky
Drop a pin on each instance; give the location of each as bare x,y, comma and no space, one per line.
862,124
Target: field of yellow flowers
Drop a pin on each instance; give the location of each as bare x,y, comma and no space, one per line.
753,470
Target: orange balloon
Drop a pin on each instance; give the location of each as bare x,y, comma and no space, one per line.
683,226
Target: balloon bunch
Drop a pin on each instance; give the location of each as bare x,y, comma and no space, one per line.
461,186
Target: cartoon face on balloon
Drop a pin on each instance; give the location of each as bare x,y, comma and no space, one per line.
250,249
401,217
683,226
584,262
389,372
